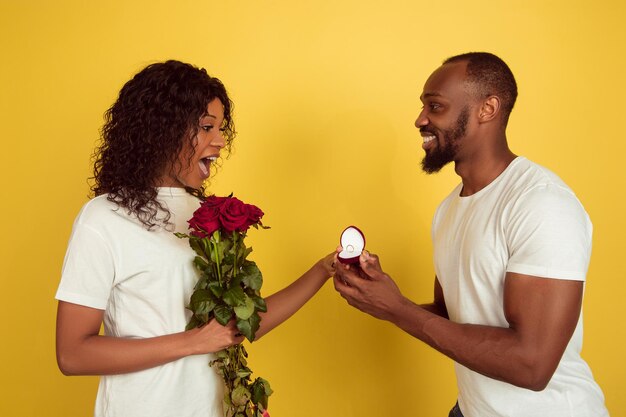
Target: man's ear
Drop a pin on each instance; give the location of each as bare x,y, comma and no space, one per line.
489,109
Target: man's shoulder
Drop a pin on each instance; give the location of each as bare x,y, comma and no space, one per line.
540,191
525,177
526,171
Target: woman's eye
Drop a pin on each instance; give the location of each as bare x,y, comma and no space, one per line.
206,128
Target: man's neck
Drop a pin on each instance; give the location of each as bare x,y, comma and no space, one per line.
481,169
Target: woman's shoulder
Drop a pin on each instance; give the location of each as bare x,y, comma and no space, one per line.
98,210
103,212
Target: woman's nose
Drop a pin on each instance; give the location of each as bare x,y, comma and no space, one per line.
218,140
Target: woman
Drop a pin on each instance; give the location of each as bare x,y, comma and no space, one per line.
125,268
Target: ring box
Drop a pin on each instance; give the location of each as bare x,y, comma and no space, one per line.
352,243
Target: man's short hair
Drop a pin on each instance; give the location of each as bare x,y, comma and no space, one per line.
492,77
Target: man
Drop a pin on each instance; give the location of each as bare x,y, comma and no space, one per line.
511,249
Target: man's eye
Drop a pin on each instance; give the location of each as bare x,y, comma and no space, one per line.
434,106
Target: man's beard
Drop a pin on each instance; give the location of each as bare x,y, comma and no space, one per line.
447,144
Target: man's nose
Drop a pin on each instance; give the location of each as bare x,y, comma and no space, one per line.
421,120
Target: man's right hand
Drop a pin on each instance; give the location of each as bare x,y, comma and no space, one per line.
368,288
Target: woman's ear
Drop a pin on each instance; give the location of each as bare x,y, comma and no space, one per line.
489,109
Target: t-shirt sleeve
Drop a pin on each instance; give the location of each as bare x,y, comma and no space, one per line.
549,235
88,269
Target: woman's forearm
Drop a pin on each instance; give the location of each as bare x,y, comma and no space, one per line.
104,355
284,303
81,350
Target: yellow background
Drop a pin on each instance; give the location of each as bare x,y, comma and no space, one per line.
325,94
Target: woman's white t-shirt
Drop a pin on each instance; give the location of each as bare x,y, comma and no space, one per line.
142,280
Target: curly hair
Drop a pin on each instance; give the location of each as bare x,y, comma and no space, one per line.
492,76
156,112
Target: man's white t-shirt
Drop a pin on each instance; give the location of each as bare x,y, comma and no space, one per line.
142,280
526,221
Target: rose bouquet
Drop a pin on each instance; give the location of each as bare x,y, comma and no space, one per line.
229,288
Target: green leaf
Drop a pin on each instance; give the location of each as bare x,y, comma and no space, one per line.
216,257
245,311
181,235
216,289
266,385
234,296
249,327
205,247
228,246
202,283
258,391
240,249
245,329
223,314
241,355
222,354
252,276
197,246
200,263
226,268
202,302
259,303
261,391
240,396
193,323
235,282
228,404
201,295
222,247
220,369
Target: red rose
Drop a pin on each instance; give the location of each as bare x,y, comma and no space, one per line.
234,215
254,214
206,219
228,213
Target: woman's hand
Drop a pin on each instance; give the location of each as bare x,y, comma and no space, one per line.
328,263
213,337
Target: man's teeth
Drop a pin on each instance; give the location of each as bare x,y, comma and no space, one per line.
428,138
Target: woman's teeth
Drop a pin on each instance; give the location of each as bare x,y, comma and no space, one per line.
204,164
203,168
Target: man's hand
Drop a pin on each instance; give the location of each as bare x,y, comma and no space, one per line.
367,288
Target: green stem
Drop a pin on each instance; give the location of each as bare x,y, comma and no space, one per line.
217,257
236,249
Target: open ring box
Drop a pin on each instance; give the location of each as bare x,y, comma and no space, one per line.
352,242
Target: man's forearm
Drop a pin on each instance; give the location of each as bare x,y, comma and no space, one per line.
495,352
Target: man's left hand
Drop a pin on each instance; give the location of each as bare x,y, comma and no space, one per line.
367,288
